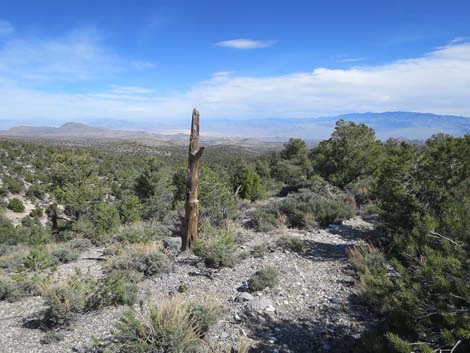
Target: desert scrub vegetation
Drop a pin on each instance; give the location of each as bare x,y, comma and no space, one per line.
138,233
51,254
290,243
260,250
14,186
66,299
32,234
12,257
246,182
145,258
95,191
303,209
170,326
262,279
414,275
265,219
16,205
215,246
16,286
217,201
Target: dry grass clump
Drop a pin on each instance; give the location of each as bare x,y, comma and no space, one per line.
171,326
291,243
78,294
216,246
261,279
146,258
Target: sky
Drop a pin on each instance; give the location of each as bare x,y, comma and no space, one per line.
156,60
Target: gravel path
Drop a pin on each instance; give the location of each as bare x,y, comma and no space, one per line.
312,309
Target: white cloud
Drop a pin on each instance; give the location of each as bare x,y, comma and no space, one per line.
130,90
6,28
142,65
76,56
246,43
437,82
351,60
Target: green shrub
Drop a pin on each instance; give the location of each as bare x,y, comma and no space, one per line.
247,182
305,208
3,191
417,280
107,218
215,246
79,244
130,209
63,253
8,234
13,185
217,201
65,300
116,288
167,327
43,256
16,205
204,316
86,229
33,235
290,243
291,165
265,219
16,286
351,153
37,212
36,191
147,259
12,259
264,278
38,259
260,250
8,289
138,233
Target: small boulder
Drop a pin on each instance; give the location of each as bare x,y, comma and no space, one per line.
244,297
261,305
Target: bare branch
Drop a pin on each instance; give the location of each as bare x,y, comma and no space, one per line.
437,235
453,349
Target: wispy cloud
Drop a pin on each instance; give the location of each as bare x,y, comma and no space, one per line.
351,60
130,89
435,82
6,28
246,43
125,93
142,65
76,56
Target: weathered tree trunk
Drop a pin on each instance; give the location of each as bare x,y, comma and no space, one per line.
192,183
53,217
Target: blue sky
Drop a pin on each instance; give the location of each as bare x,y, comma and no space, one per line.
72,60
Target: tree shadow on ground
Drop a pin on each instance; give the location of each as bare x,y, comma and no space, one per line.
337,331
319,251
348,232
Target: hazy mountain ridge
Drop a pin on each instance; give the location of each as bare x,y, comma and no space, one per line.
405,125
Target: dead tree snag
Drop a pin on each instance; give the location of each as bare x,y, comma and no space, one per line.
192,183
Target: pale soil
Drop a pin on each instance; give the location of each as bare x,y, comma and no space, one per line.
314,306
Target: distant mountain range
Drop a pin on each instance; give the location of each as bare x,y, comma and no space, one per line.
404,125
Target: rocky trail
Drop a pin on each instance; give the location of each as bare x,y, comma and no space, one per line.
312,308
